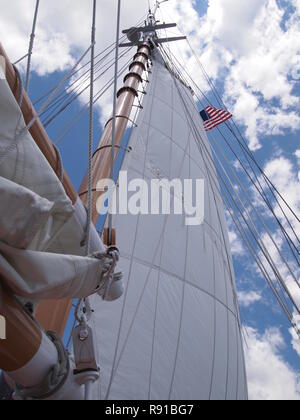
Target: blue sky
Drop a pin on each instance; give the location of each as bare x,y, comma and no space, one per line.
252,54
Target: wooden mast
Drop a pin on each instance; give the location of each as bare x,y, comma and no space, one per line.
126,97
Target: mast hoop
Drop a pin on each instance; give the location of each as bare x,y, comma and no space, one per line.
137,63
133,74
145,45
128,89
120,116
141,53
108,146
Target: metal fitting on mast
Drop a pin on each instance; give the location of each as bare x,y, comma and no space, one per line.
148,33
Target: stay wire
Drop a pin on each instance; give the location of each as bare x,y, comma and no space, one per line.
269,259
97,97
263,195
75,96
244,145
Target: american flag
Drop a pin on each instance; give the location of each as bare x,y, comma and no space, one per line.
213,117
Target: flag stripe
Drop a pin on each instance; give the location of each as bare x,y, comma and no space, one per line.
215,124
218,121
217,117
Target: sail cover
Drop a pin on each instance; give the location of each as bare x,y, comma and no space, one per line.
175,334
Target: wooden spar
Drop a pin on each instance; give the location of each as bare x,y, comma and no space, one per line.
23,335
37,131
54,314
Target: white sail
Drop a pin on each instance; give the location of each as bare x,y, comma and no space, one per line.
175,334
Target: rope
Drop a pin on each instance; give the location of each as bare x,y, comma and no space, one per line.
269,259
98,96
54,381
35,118
91,140
265,199
20,59
75,94
112,161
31,45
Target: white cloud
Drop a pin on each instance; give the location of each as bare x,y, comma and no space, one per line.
241,42
269,376
247,44
283,173
244,43
248,298
284,176
295,341
236,244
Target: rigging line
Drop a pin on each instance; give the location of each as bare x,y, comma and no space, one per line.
266,199
75,96
86,64
225,245
75,72
250,229
76,92
188,115
112,159
84,78
181,69
160,265
166,218
91,137
223,235
183,289
267,180
251,204
69,90
262,247
31,45
85,108
260,244
219,99
264,196
262,189
184,69
115,361
56,91
215,327
257,259
126,148
248,198
20,59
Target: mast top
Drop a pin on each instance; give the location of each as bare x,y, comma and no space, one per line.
138,35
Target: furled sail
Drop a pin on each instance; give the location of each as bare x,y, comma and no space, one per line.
175,334
41,232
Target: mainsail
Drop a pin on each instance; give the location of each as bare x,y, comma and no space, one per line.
176,333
